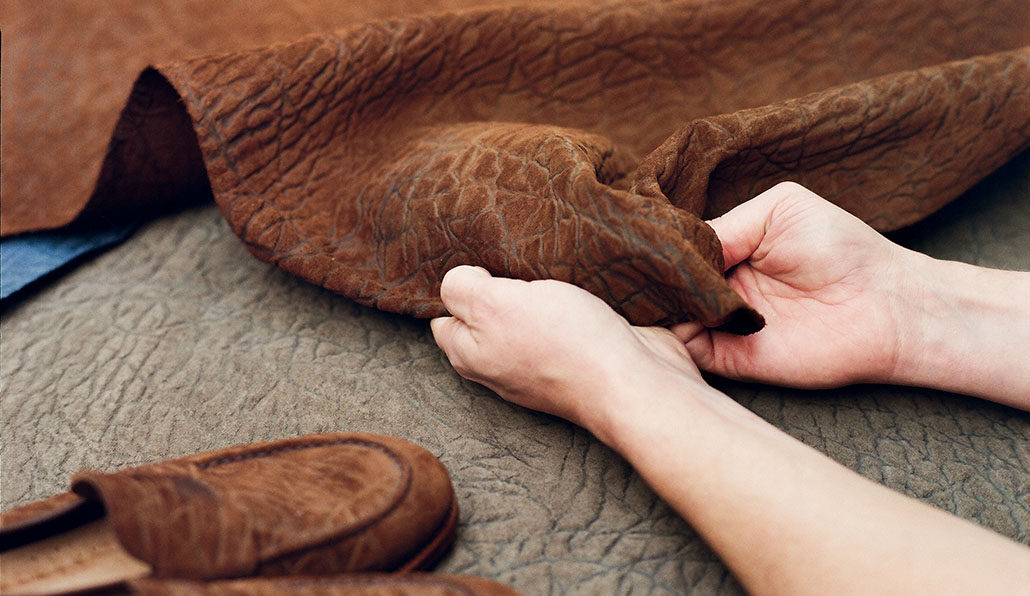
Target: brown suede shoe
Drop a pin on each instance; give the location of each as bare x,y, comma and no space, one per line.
327,503
405,584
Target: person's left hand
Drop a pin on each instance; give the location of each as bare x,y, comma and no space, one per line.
549,345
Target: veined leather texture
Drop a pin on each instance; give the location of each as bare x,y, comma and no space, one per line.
324,503
578,141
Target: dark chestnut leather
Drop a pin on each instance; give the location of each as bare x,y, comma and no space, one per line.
581,142
314,504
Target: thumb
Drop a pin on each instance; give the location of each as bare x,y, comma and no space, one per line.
686,331
742,229
740,232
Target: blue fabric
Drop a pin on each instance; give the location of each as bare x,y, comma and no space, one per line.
28,257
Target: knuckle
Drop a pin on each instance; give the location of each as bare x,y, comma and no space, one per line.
790,187
461,364
798,192
481,307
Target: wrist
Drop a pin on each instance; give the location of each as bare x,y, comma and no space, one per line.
962,328
637,404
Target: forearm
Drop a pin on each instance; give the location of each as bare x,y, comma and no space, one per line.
964,329
788,520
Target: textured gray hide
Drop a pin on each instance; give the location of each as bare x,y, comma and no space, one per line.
179,341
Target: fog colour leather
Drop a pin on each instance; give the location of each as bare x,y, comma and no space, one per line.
583,142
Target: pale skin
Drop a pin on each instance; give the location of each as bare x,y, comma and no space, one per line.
843,305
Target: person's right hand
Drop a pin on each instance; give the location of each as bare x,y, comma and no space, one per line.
827,284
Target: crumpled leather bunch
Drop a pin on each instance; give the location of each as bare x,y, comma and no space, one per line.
583,142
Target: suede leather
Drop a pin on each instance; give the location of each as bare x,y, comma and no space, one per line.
346,585
179,341
535,140
314,504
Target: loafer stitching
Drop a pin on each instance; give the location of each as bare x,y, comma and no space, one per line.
357,527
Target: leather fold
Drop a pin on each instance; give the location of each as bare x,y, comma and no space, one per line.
890,150
585,142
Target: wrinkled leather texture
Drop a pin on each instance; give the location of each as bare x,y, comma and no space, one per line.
535,140
178,342
344,585
313,504
69,66
922,126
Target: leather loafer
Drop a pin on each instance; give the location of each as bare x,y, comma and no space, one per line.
318,504
406,584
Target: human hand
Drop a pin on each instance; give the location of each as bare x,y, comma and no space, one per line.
551,346
827,284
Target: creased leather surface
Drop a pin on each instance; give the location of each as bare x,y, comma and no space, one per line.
179,342
69,66
535,140
891,150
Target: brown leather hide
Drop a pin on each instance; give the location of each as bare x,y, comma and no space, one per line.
581,141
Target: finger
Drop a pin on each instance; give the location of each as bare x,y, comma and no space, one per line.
459,287
701,349
686,331
455,339
441,328
742,229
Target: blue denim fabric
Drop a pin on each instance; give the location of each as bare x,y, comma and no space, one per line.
28,257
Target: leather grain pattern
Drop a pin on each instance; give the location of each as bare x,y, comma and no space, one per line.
315,504
178,342
343,585
69,66
582,142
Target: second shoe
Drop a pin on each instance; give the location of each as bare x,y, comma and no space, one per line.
329,503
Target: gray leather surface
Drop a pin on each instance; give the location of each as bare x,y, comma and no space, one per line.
179,341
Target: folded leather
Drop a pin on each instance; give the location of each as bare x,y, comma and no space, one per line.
315,504
891,150
535,140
